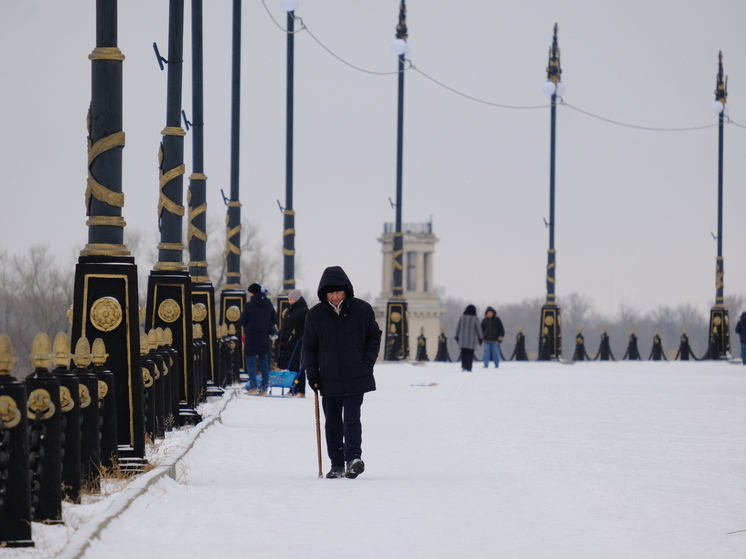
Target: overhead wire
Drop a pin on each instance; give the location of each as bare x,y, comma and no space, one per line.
411,66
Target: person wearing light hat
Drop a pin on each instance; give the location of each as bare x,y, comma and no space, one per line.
258,320
291,339
340,348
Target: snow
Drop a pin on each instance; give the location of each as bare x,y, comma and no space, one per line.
531,460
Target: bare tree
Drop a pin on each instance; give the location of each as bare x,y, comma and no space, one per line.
35,295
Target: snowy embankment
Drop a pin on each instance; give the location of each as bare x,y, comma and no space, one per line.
532,460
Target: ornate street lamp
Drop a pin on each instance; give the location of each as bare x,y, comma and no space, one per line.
550,344
397,337
288,234
169,303
233,296
105,302
719,343
203,292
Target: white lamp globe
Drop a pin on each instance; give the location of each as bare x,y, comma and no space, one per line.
289,5
399,46
561,89
548,88
726,109
717,107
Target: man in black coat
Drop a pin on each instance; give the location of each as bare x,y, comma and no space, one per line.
340,347
258,320
291,339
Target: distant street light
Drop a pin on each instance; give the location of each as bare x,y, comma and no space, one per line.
719,343
550,338
397,337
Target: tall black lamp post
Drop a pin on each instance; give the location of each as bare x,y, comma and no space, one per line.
550,340
169,284
105,293
288,233
233,296
397,336
203,292
719,342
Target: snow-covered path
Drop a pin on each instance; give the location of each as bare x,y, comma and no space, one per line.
534,460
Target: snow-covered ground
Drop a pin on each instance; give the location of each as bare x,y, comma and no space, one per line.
532,460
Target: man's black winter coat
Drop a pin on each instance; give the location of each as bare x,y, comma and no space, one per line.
341,349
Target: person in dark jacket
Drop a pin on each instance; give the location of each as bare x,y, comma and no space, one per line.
340,347
492,335
291,340
258,320
741,331
468,335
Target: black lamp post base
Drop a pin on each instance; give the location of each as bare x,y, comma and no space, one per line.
397,331
105,305
719,343
550,342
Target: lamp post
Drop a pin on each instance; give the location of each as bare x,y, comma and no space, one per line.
203,292
232,296
169,303
719,343
550,344
397,338
105,293
288,233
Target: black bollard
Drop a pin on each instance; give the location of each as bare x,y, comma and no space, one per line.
656,352
178,387
580,353
15,481
685,350
632,353
149,372
421,347
236,354
604,349
45,422
519,351
107,405
442,354
157,358
167,377
90,419
70,409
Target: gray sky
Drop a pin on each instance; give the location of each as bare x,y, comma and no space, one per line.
635,208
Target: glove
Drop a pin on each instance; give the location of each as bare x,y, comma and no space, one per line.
273,337
499,340
315,384
480,342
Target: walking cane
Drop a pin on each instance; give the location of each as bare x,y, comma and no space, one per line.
318,431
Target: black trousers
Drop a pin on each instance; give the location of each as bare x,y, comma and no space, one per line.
344,432
467,358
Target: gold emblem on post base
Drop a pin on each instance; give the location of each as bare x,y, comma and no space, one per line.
106,314
233,313
169,310
199,312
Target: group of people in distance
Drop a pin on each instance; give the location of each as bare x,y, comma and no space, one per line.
470,332
334,344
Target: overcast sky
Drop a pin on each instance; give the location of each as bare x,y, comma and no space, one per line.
635,212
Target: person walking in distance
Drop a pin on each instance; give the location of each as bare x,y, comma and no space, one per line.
492,334
340,347
258,320
741,331
291,340
468,335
